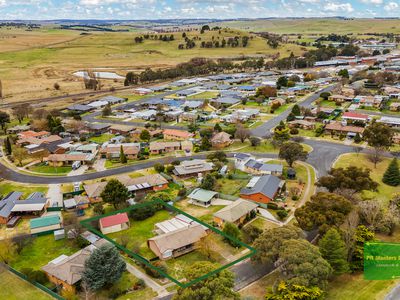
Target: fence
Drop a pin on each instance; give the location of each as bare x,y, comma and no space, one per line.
36,284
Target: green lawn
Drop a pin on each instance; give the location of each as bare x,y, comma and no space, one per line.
265,146
110,164
139,232
177,266
14,288
105,137
230,186
9,186
42,250
204,95
385,192
42,168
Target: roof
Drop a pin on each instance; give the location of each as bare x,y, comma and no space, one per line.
353,115
254,164
70,157
193,166
202,195
179,238
13,203
163,145
178,133
114,220
226,100
178,222
45,221
94,190
340,127
242,156
267,185
69,268
80,107
221,137
235,211
144,182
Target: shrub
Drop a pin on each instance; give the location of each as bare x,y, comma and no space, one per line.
98,209
294,131
182,192
282,213
272,205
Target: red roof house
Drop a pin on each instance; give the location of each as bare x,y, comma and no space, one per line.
114,223
352,116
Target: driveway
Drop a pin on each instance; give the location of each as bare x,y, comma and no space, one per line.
99,165
55,195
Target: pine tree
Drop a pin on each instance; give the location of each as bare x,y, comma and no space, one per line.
122,156
333,249
392,174
8,146
104,266
296,110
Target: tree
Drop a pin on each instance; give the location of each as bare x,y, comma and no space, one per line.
107,111
115,193
218,286
295,292
250,233
392,174
281,133
362,235
254,141
218,156
8,146
301,263
206,247
333,249
19,154
281,82
269,244
323,211
208,182
21,111
122,156
292,151
241,133
4,119
8,251
217,127
159,167
296,110
54,124
379,136
145,135
357,138
233,231
205,144
344,73
104,266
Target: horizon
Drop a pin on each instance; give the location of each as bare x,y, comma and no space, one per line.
42,10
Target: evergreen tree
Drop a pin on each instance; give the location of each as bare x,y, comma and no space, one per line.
392,174
7,145
357,138
104,266
296,110
122,156
333,249
233,231
115,193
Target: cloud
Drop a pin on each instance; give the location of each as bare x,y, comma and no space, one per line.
339,7
372,1
391,6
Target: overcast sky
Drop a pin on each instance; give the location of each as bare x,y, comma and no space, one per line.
168,9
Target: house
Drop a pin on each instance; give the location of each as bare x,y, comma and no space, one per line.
121,129
79,202
369,101
80,108
147,183
17,129
352,117
67,159
142,91
339,128
94,190
255,167
221,140
303,124
163,147
114,223
178,222
98,128
394,106
201,197
33,134
263,189
66,271
112,100
338,98
226,101
238,213
195,167
241,159
113,151
176,135
390,121
177,242
12,205
45,224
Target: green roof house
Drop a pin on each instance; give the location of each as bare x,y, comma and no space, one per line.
201,197
47,223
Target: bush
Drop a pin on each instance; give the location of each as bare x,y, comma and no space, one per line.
81,242
35,275
169,169
98,209
176,163
272,205
282,214
182,192
294,131
159,167
153,273
295,197
144,212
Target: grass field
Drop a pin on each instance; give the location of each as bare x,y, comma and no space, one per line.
40,67
42,168
14,288
9,186
385,192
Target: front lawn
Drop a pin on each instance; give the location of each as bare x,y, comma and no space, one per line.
202,213
385,192
105,137
7,187
14,288
136,236
42,168
42,250
110,164
264,147
230,186
204,95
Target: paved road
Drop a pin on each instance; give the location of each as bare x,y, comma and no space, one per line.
264,129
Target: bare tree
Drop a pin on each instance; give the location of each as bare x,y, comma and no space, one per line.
241,133
371,212
349,228
90,80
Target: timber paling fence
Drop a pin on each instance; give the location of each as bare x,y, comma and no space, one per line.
36,284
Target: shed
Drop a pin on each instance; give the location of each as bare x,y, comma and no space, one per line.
45,224
114,223
59,234
201,197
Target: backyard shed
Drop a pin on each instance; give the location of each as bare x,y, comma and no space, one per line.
114,223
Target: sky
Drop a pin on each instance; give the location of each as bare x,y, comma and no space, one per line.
172,9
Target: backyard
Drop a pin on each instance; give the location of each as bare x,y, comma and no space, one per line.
7,187
105,137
